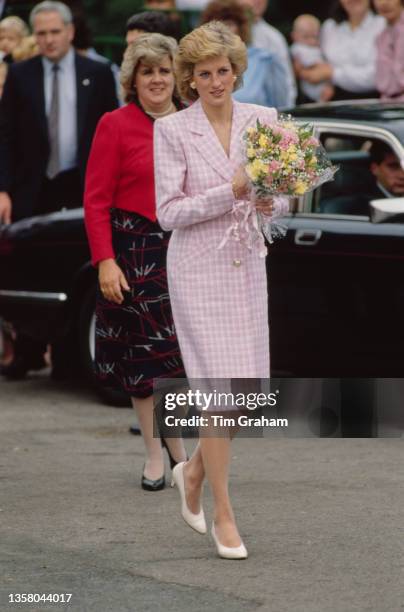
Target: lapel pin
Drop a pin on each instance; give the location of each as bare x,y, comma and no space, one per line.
86,82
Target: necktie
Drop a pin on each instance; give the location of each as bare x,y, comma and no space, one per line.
53,127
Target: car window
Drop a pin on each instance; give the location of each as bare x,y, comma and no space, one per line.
354,184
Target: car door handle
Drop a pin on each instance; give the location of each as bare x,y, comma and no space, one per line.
307,237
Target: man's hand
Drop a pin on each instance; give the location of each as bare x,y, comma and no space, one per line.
112,281
5,208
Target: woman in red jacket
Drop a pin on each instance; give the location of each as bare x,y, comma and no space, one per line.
135,338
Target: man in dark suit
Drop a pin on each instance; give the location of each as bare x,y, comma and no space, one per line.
388,172
388,183
48,114
46,135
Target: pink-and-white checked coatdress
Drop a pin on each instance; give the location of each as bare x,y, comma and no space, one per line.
217,285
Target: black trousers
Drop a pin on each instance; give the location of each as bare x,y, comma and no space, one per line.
64,191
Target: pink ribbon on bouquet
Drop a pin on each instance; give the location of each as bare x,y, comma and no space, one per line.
244,228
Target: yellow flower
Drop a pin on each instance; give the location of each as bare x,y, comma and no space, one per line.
313,161
293,157
292,149
300,188
263,141
251,172
250,131
250,152
255,169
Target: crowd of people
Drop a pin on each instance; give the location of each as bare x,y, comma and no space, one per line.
356,53
159,168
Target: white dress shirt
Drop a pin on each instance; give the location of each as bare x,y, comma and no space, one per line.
384,190
265,36
352,52
67,107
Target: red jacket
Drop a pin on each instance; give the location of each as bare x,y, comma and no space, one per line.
120,174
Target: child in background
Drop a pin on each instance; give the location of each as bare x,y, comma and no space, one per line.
306,53
12,32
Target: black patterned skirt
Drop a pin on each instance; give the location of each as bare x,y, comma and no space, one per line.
135,340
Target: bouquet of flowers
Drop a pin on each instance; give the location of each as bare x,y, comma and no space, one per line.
284,159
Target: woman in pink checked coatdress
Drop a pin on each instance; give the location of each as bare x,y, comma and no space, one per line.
217,284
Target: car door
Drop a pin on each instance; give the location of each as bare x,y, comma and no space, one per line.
336,289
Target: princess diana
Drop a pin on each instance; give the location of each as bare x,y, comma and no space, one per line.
217,285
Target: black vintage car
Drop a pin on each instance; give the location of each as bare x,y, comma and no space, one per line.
336,282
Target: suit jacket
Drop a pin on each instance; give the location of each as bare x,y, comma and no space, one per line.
356,204
217,284
120,174
24,144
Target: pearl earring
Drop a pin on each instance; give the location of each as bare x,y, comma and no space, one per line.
192,85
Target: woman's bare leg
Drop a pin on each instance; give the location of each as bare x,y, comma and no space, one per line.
194,475
212,458
176,448
154,463
215,449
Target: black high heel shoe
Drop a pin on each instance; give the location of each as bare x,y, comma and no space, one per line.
173,462
153,485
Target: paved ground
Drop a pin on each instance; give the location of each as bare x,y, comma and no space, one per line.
322,518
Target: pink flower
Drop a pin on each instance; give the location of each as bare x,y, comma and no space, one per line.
288,138
277,130
311,142
274,166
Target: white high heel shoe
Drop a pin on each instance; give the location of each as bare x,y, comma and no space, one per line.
229,552
196,521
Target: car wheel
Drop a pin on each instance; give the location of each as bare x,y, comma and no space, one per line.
86,330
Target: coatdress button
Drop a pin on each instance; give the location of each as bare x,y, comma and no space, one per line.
237,263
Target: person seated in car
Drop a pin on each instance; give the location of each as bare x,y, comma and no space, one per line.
388,173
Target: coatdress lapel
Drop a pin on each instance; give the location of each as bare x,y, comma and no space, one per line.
204,138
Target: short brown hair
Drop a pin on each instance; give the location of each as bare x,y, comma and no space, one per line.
229,10
210,40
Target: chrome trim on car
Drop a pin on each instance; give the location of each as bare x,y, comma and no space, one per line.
33,295
352,129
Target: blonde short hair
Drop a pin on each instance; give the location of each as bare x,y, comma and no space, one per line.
149,49
210,40
15,24
27,48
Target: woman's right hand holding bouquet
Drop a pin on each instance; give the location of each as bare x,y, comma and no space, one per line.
242,190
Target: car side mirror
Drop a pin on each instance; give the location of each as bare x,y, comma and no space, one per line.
388,210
